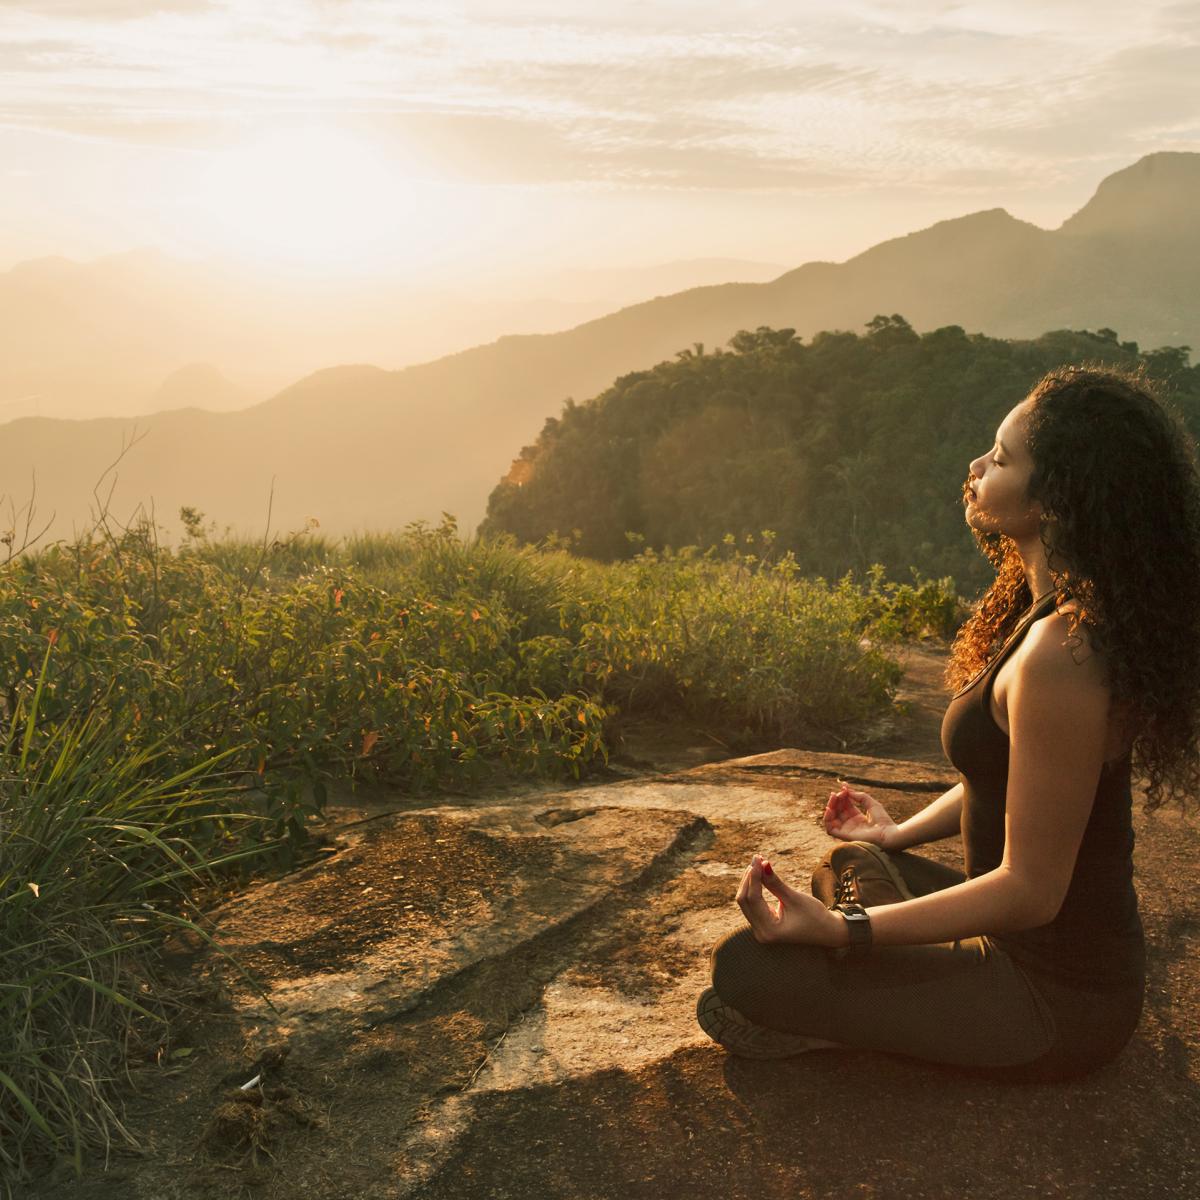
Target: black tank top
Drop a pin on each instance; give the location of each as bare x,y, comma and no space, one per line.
1096,940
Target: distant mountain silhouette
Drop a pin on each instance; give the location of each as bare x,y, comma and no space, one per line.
360,447
631,285
96,339
1154,198
84,339
198,385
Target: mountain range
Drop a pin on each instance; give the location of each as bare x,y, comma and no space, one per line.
142,331
360,447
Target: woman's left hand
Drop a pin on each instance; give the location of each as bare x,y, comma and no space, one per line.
800,918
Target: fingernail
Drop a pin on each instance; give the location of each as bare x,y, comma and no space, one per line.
767,869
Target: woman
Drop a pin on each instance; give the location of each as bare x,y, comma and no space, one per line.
1082,657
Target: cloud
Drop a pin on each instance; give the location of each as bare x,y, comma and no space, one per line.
653,84
491,148
115,10
1135,102
660,94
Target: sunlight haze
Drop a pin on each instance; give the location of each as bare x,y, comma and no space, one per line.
486,144
340,222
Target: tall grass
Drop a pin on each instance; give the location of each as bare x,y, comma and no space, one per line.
95,865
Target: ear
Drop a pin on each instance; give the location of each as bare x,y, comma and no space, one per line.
1047,521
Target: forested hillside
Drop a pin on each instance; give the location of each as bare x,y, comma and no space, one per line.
853,449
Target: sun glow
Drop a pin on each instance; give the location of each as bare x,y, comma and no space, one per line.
313,195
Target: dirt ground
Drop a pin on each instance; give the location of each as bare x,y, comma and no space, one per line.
495,998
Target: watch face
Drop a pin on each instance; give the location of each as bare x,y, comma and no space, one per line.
859,916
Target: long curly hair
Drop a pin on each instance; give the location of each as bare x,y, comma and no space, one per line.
1115,469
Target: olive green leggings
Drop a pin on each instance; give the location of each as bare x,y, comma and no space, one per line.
966,1003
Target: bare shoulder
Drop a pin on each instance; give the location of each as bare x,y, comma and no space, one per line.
1070,675
1054,653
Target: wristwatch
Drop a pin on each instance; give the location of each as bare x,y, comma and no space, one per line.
858,920
858,924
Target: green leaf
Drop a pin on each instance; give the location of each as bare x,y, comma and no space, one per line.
27,1104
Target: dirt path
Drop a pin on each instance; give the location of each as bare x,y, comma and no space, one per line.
494,999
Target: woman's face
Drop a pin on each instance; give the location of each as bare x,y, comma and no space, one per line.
1000,482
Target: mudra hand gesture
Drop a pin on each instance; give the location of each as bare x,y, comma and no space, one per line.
856,816
799,917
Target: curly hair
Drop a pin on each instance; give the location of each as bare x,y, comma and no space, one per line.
1115,469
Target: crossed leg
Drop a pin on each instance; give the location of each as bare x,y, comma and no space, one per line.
962,1002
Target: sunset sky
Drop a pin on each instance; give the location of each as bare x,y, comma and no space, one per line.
510,138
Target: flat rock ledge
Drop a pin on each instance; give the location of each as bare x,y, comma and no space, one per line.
496,999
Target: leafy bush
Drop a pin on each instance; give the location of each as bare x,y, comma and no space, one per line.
317,676
741,643
913,611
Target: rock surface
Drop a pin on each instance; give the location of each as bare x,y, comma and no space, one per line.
496,999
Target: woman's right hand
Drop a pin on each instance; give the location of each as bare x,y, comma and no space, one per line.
856,816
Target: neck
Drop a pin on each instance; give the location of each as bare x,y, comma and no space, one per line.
1041,595
1037,571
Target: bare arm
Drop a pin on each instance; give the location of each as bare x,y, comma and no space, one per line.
1058,714
939,819
996,901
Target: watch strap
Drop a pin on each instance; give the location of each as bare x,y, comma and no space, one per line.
858,926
